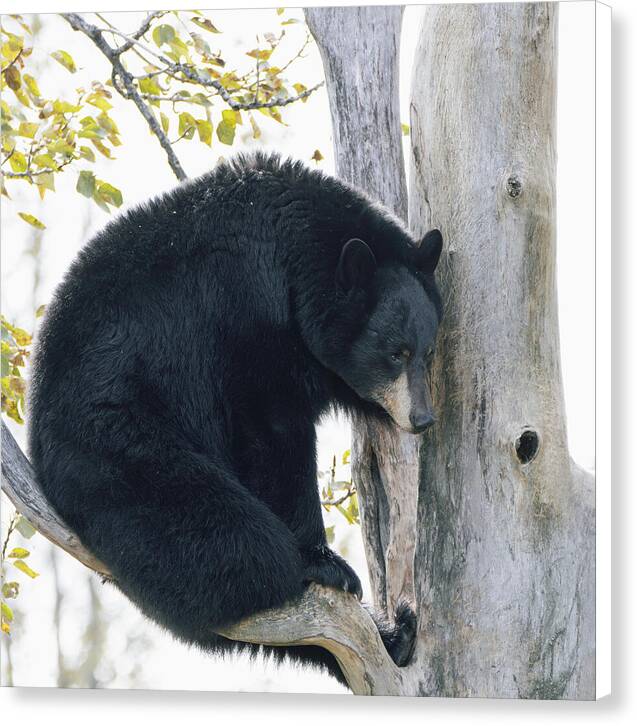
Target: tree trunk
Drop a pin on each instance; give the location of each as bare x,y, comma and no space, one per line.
360,49
488,526
504,565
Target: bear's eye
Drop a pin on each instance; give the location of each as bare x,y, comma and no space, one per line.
401,355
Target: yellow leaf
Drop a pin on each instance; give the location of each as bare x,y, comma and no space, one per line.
65,59
256,131
205,24
18,162
19,552
317,156
33,221
261,55
23,567
204,128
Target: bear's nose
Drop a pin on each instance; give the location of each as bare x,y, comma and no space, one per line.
421,421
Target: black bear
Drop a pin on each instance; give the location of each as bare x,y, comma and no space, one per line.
183,364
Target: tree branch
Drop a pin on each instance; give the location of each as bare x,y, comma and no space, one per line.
142,30
20,485
113,55
191,74
323,616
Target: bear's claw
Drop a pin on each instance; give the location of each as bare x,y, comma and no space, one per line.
324,566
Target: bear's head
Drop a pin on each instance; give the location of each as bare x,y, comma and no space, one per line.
388,360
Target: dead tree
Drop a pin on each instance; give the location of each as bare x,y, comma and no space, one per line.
506,520
485,524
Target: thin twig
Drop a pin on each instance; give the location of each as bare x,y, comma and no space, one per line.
194,76
95,34
12,526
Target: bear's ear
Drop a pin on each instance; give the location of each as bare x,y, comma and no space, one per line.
428,254
356,265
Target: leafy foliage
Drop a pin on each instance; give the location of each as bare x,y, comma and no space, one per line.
169,68
16,345
338,490
42,135
17,557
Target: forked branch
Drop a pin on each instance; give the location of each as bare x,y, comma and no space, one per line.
330,618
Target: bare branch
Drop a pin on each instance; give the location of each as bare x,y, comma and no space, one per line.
28,174
323,616
141,31
19,484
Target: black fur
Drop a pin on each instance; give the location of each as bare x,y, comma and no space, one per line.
179,374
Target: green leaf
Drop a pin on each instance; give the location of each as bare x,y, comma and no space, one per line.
102,148
405,129
186,122
10,590
31,84
329,533
346,456
149,86
256,131
179,47
23,567
12,77
260,54
346,514
110,194
33,221
107,123
19,552
204,129
99,101
205,24
65,107
100,202
18,162
27,129
165,122
44,161
65,59
230,117
44,182
163,34
7,613
87,153
225,132
86,184
23,525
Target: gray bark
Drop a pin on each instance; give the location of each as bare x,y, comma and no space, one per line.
506,549
504,559
360,48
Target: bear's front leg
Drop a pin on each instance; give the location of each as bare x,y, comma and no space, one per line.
324,566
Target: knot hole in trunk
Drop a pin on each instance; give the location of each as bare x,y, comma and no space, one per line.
527,445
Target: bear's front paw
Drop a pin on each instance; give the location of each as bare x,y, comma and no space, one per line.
324,566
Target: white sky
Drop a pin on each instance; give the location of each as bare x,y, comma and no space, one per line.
141,171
